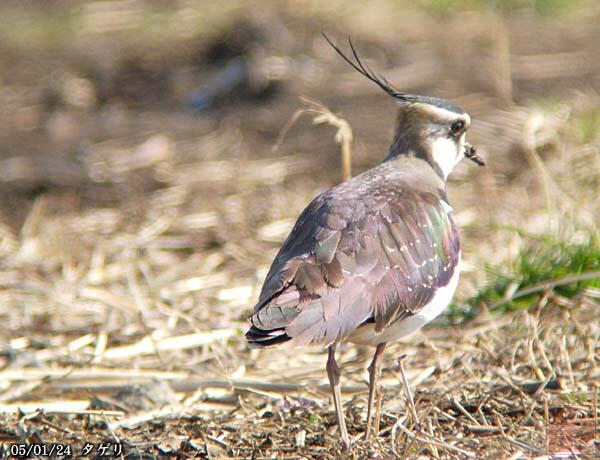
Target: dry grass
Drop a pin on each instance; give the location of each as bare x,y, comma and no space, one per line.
124,295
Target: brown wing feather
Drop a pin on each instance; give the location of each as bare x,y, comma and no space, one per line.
342,266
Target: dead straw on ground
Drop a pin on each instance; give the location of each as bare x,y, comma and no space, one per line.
125,323
124,329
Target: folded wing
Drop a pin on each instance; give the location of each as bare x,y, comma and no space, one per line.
342,266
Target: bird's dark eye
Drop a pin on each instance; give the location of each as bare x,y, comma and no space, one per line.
457,127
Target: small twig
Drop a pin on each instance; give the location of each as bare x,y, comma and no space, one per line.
219,442
480,411
408,392
444,414
567,359
425,439
144,417
483,429
550,284
530,343
150,345
499,425
46,422
399,422
544,384
546,424
464,411
540,304
516,456
522,444
113,434
141,304
434,451
343,136
595,408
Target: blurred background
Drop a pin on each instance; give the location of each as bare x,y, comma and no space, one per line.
153,156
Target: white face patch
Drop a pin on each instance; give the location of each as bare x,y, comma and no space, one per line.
447,153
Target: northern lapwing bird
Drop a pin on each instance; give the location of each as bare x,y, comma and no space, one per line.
376,257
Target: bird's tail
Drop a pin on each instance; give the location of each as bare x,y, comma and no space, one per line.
261,338
271,319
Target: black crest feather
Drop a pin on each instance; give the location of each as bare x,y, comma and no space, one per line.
364,70
384,84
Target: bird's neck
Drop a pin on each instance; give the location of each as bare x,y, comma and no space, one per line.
402,147
413,171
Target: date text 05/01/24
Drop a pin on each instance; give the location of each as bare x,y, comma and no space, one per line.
25,450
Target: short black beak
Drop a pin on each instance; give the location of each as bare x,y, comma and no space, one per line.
471,154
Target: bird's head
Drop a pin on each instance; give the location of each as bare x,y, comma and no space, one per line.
429,128
435,130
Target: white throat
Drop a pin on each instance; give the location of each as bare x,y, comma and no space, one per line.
447,154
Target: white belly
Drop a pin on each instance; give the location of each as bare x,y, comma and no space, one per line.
366,335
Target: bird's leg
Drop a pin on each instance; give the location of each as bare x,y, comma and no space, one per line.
374,373
377,411
333,372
